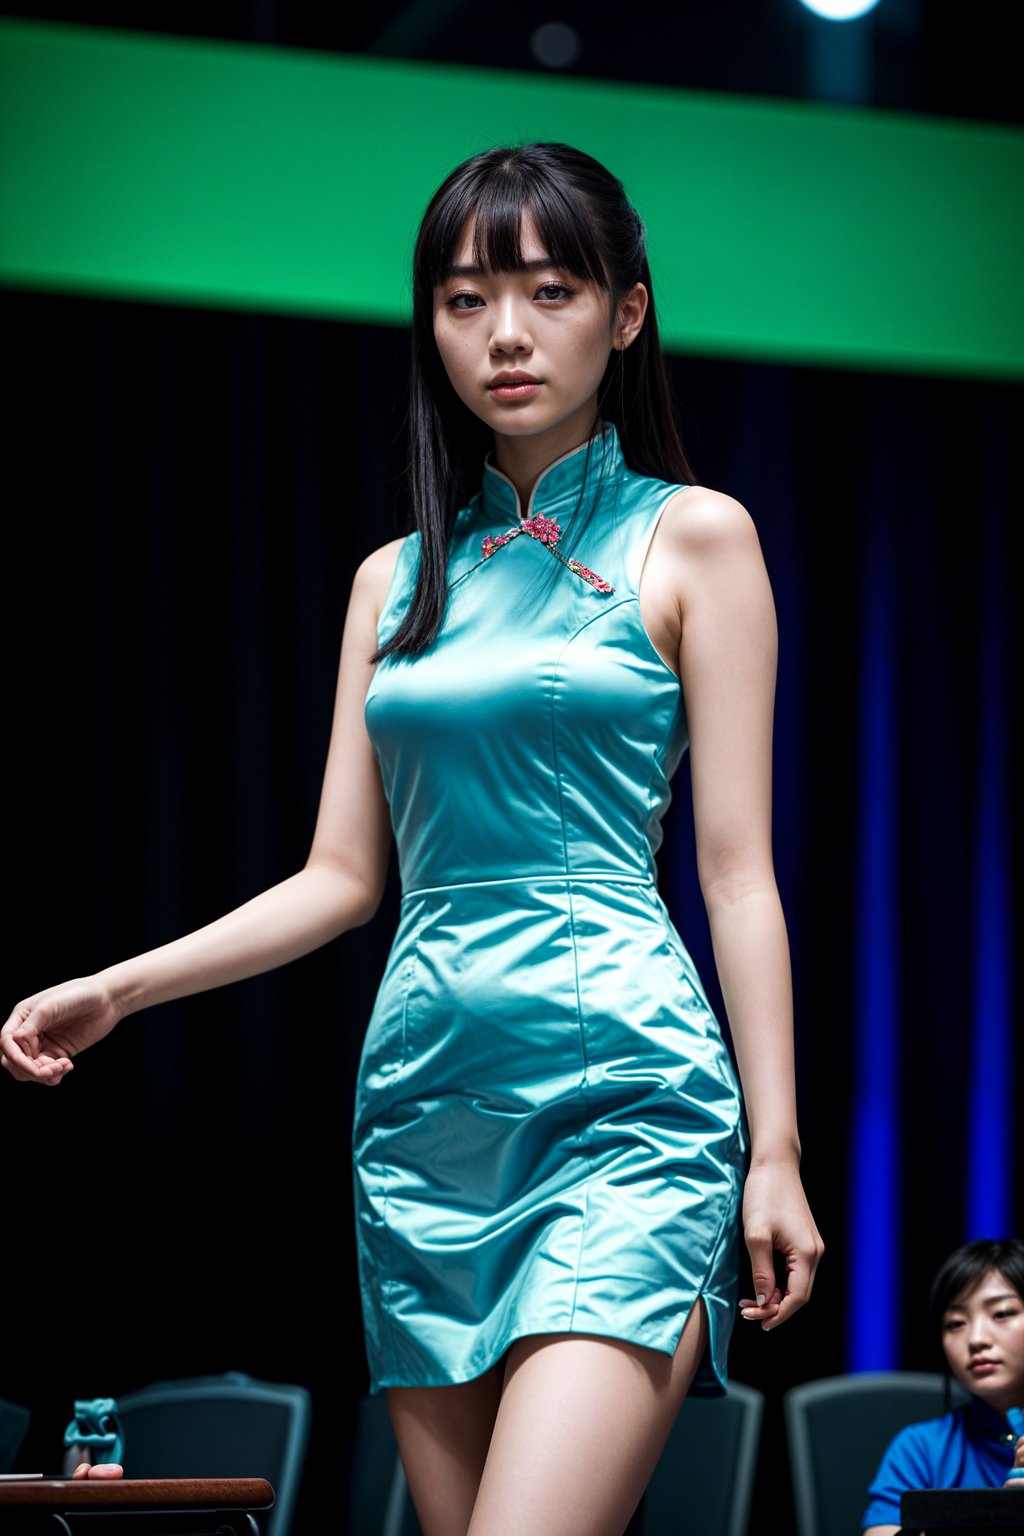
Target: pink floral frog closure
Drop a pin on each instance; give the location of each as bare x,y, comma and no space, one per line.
547,532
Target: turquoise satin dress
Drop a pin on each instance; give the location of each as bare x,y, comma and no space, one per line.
549,1133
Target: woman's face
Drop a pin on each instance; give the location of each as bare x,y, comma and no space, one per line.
541,322
983,1337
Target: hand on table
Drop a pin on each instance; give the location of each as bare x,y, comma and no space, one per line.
102,1469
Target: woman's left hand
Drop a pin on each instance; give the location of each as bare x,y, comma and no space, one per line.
1018,1465
777,1219
102,1469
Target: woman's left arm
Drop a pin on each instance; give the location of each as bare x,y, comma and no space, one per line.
727,664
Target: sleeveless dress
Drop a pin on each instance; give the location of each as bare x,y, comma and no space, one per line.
548,1134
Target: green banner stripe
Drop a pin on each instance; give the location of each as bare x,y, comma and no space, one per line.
246,176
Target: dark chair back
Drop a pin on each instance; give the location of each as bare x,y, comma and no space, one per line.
837,1430
704,1480
14,1422
230,1425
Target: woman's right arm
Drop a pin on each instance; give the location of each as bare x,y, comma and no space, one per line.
339,887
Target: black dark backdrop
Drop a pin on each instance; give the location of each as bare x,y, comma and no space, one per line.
187,495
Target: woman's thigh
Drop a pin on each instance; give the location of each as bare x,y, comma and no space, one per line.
580,1426
443,1435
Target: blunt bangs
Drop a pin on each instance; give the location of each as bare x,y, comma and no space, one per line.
500,199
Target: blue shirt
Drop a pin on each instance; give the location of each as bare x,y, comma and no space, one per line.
972,1447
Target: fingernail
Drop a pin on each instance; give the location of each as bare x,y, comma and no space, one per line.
760,1301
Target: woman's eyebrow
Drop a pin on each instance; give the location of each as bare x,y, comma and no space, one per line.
526,266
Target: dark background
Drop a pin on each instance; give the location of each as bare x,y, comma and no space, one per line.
189,493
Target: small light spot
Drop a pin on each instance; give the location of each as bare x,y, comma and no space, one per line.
556,45
840,10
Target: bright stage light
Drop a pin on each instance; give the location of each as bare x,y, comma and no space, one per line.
840,10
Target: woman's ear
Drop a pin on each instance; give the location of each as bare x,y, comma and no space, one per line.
630,316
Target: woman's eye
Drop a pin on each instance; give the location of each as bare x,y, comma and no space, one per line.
474,301
556,290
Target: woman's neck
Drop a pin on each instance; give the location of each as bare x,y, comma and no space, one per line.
1000,1402
524,459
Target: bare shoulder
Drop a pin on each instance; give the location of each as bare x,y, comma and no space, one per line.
700,521
378,568
373,575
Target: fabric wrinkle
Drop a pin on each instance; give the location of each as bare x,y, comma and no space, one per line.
548,1132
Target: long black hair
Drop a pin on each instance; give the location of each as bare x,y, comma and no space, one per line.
590,228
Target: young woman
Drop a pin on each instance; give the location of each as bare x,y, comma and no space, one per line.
976,1312
554,1164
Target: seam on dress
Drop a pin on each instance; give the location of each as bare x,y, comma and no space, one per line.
655,657
661,751
565,864
581,877
584,1080
723,1241
579,1250
554,754
387,1287
387,1279
407,983
408,974
595,618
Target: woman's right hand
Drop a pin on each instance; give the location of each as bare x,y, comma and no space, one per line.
44,1032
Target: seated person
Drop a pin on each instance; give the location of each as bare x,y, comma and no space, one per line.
976,1312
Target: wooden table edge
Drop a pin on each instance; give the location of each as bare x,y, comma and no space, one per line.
138,1493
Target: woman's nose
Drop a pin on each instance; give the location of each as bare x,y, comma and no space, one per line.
510,330
978,1331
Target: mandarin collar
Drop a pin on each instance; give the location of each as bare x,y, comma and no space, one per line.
558,487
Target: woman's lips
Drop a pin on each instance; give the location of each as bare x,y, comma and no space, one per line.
984,1367
515,389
